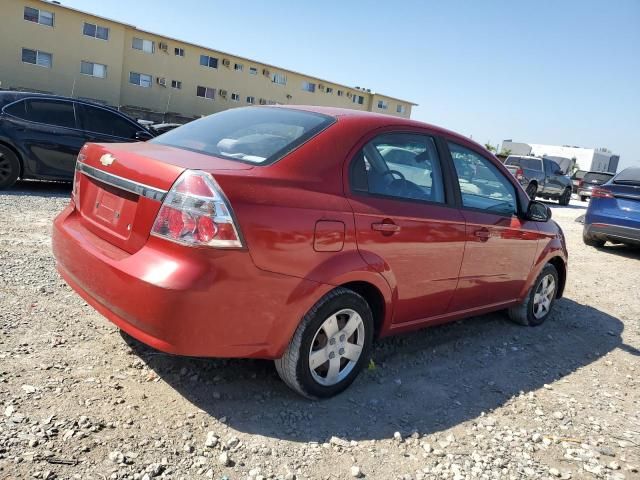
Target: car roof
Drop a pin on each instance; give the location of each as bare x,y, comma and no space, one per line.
8,96
376,120
597,171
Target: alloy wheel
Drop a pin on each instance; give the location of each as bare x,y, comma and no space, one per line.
544,296
336,347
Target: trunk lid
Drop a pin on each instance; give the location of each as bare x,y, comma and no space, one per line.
120,187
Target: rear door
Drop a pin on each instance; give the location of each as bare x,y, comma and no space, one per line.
48,130
407,226
104,126
554,183
500,247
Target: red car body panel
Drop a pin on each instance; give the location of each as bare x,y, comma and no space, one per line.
305,233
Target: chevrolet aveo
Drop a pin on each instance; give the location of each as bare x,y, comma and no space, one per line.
302,234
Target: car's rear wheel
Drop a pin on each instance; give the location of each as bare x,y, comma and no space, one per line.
9,167
592,242
565,198
583,198
535,309
531,190
330,346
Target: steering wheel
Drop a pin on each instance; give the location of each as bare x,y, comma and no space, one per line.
394,172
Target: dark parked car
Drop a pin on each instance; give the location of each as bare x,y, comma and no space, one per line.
590,181
540,177
301,234
41,135
575,179
614,211
160,128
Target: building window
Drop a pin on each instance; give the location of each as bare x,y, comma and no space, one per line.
251,100
207,61
140,79
279,78
359,99
146,46
238,67
93,69
253,71
176,84
95,31
340,93
308,87
383,105
329,90
206,92
235,97
401,109
36,57
38,16
179,52
271,102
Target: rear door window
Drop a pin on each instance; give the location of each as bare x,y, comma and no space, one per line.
482,185
58,113
99,120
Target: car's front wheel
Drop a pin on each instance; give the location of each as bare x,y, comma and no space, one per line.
330,346
536,307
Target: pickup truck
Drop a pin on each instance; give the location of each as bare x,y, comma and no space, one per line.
540,177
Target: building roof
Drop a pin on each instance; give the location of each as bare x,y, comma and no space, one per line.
60,5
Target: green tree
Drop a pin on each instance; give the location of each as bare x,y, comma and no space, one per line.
489,147
506,152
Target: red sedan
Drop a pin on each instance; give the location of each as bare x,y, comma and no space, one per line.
301,234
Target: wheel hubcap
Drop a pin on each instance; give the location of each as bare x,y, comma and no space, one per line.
336,347
544,296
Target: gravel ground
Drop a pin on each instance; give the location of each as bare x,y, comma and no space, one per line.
480,398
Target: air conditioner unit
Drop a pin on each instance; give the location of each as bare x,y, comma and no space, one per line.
262,101
226,62
162,81
265,72
289,97
163,46
223,93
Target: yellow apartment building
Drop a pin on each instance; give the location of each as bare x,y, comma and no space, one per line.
48,47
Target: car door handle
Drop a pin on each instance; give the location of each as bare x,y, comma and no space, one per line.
385,227
483,234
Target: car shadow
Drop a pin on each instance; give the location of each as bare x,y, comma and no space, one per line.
39,189
621,251
425,381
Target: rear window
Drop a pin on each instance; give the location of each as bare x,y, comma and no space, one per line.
252,134
528,163
597,177
628,175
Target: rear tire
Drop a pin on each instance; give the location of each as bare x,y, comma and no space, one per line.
531,190
537,305
341,347
583,198
565,198
9,167
592,242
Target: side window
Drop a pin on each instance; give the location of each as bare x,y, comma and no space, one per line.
50,112
402,165
102,121
482,185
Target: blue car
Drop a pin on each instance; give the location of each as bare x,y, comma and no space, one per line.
614,211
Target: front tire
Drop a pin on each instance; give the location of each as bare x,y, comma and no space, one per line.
536,307
9,167
565,198
330,346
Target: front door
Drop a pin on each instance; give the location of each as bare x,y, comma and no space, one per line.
500,247
407,227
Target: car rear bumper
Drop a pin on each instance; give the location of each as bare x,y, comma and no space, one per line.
584,192
606,231
181,300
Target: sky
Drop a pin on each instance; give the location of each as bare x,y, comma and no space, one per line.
539,71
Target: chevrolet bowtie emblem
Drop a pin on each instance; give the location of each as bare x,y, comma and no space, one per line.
107,159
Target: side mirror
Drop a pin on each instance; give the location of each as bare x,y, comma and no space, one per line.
538,212
143,136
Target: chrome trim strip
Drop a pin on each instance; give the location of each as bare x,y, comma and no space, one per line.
125,184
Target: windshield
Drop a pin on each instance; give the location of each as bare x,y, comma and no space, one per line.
528,163
254,135
629,175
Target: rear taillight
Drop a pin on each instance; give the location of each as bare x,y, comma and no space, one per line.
580,183
519,174
601,193
75,192
195,212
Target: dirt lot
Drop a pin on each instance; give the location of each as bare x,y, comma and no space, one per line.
481,398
